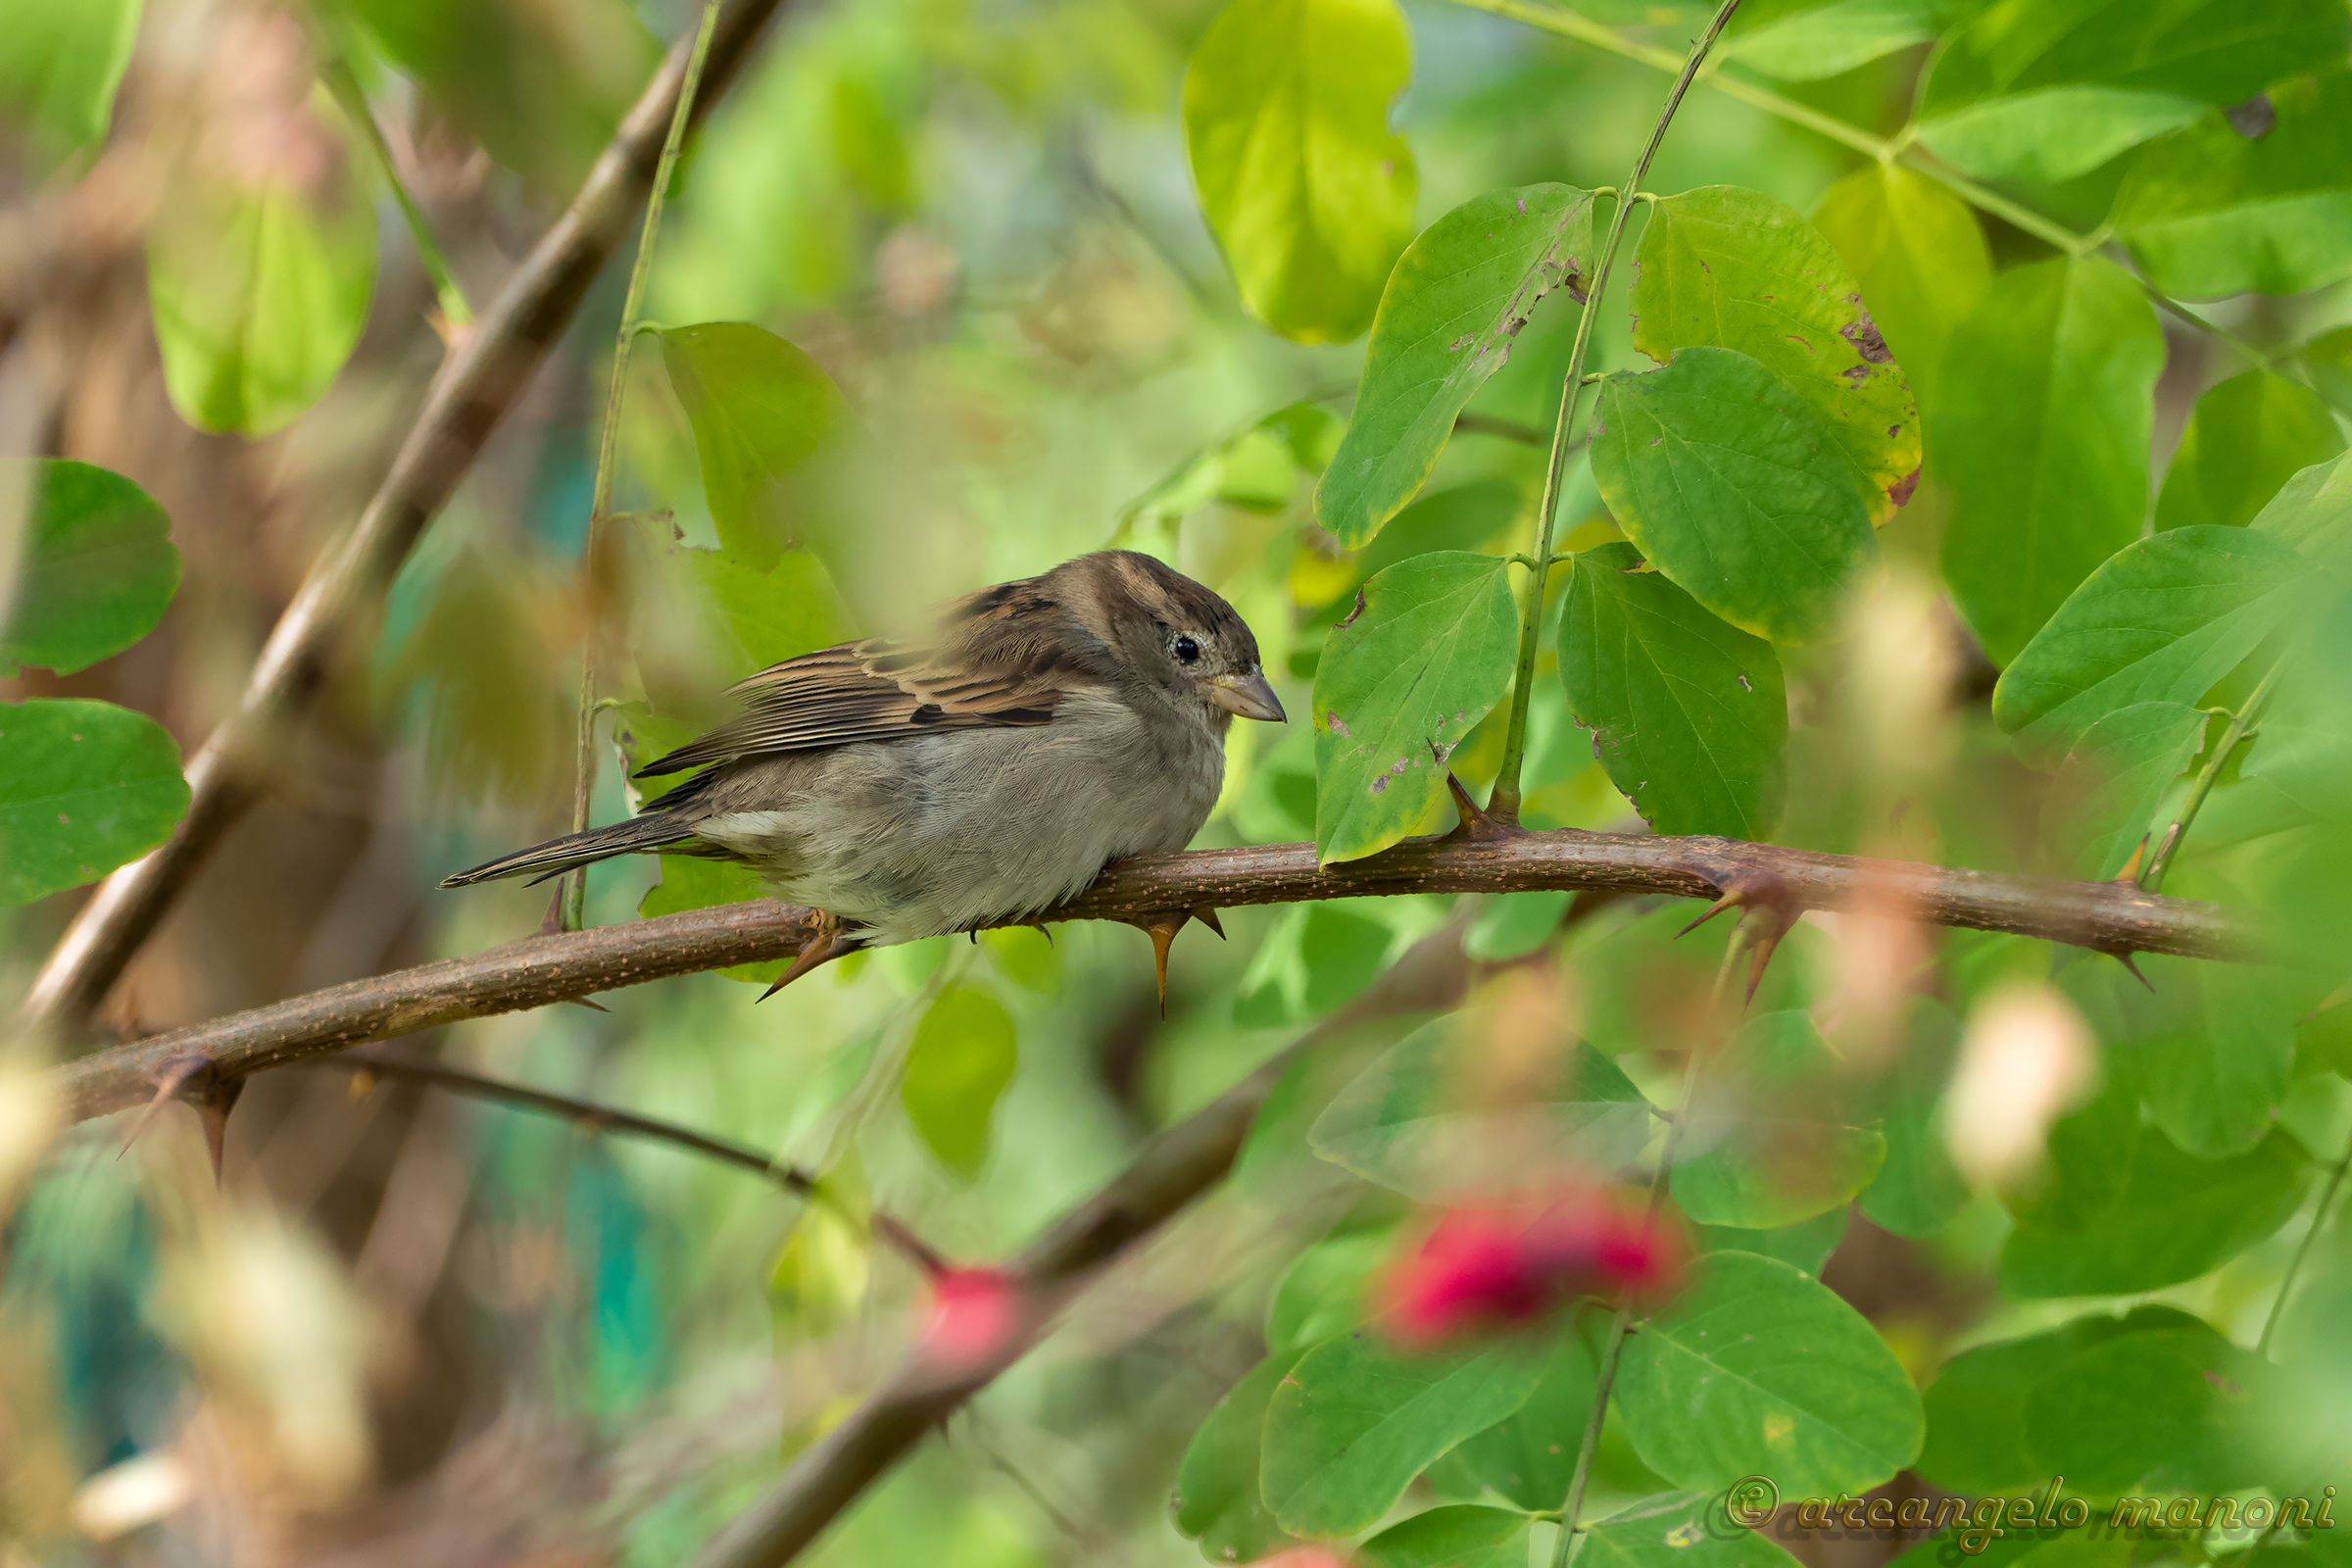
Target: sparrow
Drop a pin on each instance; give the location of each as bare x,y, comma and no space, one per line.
1047,727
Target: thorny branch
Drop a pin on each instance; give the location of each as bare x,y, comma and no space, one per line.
2106,916
483,375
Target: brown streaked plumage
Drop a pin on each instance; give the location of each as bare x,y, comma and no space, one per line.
1050,725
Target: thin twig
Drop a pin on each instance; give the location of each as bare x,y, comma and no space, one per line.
590,1116
484,374
348,95
2106,916
2242,725
1503,803
576,881
2294,1265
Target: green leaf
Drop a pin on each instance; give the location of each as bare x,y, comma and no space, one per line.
1458,1535
1804,1246
2049,89
61,67
1216,1501
1511,925
84,786
2131,757
962,1057
761,412
1727,267
1254,469
2162,1409
1322,1292
1422,1118
260,286
1447,319
2215,1045
1781,1161
821,1271
1285,125
1688,714
1977,1405
1760,1370
1917,1189
2041,420
1428,651
2245,438
2311,511
2127,1210
700,621
1805,40
1354,1422
2209,211
1919,254
2161,622
1315,956
97,567
1529,1456
2328,360
1729,481
1679,1530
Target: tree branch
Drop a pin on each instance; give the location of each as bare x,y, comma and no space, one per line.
1174,1169
484,374
590,1116
2108,916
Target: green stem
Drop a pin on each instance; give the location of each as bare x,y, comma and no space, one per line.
2294,1265
1612,1352
1902,148
345,87
2241,724
575,883
1504,803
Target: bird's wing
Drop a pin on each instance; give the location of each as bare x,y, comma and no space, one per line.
879,691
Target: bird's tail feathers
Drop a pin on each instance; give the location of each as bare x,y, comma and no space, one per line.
637,835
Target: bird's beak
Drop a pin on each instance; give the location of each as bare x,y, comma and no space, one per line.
1248,695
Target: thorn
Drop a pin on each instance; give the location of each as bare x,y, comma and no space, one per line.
2128,961
825,944
1710,912
1039,926
551,922
591,1006
1766,913
194,1079
2129,874
1163,929
1208,917
1475,824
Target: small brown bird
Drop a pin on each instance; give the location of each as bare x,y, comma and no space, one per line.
1052,726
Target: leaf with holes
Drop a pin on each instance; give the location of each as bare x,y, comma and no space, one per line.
1425,654
1679,1530
1733,269
1688,714
1456,300
84,786
97,566
1919,254
1307,190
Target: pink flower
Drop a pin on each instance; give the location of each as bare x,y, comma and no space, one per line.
1485,1268
975,1312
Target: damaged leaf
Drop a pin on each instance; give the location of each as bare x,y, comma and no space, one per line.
1398,689
1459,295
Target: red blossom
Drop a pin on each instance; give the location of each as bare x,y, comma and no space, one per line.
974,1313
1485,1268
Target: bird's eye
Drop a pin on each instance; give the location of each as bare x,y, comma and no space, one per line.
1187,651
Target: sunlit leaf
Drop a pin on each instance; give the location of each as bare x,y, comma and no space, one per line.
2041,415
1804,40
260,279
1759,1370
1457,1536
1731,269
1456,300
1315,956
819,1277
1688,713
1216,1502
1728,480
97,566
1255,468
84,786
1434,1117
1919,254
2049,89
1285,123
2245,438
2161,622
762,412
2209,211
1402,680
1353,1422
1977,1404
60,67
962,1057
